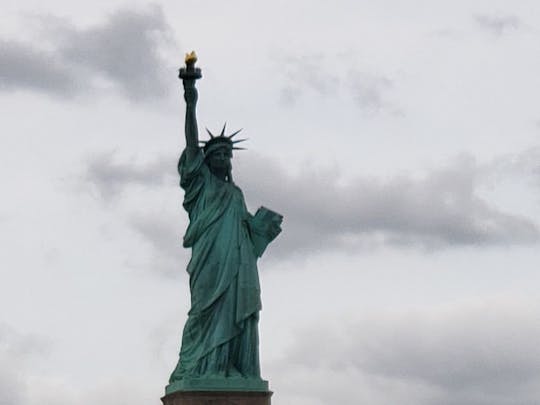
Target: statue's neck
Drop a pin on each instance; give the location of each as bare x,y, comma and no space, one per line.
219,173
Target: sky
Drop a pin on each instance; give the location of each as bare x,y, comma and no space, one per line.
400,140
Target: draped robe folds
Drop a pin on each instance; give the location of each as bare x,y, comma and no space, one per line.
220,337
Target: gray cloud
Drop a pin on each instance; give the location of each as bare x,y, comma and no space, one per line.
498,24
307,74
123,50
525,163
23,382
369,91
23,67
471,355
164,232
440,210
111,177
16,350
316,73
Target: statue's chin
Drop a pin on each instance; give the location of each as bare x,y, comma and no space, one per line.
220,173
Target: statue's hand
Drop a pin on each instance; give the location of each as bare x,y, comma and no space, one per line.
274,228
190,92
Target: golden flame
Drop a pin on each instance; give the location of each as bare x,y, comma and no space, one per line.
191,57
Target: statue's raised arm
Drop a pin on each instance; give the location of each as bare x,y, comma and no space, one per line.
189,75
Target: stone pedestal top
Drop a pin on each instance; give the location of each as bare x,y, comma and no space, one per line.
217,398
218,384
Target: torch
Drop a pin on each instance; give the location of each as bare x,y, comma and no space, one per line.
190,72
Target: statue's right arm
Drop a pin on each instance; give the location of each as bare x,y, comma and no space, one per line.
191,130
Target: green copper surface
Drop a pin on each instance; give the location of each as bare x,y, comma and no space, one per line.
220,343
217,384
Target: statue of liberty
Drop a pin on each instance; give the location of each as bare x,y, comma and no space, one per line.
220,343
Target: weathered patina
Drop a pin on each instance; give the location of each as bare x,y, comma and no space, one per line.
220,344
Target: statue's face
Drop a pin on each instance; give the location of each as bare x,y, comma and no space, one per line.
220,159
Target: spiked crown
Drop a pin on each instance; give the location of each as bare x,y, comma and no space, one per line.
220,141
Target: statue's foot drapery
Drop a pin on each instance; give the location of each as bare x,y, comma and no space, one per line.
239,357
233,365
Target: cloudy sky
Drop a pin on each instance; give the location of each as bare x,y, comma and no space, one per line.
400,140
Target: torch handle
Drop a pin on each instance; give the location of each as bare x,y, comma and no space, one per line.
190,72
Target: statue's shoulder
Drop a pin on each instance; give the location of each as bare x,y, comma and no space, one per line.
191,165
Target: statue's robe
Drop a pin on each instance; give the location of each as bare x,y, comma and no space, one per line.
220,338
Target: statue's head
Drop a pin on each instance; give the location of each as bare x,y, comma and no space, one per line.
219,158
218,153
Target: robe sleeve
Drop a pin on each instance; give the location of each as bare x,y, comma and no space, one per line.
193,176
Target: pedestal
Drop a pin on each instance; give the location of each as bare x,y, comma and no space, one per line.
217,398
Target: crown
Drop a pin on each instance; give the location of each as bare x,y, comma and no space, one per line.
220,140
